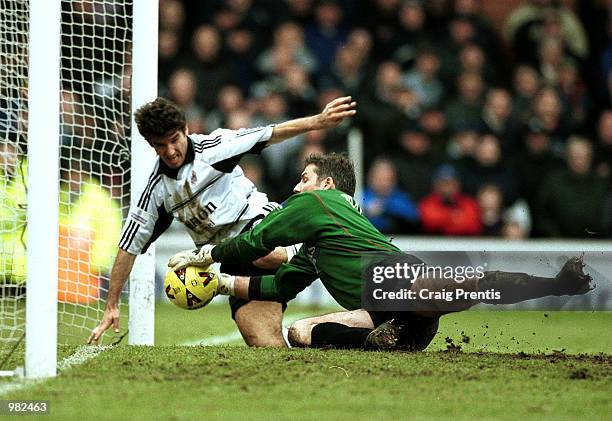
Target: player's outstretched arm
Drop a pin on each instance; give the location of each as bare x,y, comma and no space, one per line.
119,275
332,115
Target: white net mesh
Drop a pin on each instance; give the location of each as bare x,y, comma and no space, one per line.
13,115
94,159
94,150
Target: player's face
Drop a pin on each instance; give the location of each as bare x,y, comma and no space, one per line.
308,181
172,148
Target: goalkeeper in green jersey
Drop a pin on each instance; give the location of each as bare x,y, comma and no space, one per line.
335,236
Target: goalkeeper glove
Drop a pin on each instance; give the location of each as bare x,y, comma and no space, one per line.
200,258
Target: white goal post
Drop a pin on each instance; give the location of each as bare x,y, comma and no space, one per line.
43,188
144,89
82,68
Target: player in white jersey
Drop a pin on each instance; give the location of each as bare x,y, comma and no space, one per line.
197,180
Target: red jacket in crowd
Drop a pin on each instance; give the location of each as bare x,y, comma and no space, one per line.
459,216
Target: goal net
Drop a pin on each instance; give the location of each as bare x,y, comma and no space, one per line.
94,161
95,76
13,114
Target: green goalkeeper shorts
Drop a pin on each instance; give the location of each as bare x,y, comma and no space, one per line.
247,269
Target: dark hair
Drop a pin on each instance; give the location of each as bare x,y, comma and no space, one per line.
159,118
337,166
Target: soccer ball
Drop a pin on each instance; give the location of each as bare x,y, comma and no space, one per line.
192,287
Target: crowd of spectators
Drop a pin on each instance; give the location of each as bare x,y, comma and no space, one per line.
467,130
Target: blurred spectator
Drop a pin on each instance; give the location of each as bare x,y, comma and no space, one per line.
462,145
183,90
360,42
571,201
526,85
517,221
423,79
534,163
335,139
167,56
299,93
529,24
547,117
416,163
487,167
465,109
573,92
390,209
411,33
272,110
238,119
485,33
170,39
433,123
603,147
229,100
299,10
378,111
243,50
347,71
447,211
497,119
461,32
252,167
255,15
490,200
212,70
171,15
472,59
550,55
288,48
327,33
380,18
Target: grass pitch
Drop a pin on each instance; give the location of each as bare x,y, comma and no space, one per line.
482,365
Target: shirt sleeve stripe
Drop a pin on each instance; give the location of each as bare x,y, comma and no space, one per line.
146,194
126,235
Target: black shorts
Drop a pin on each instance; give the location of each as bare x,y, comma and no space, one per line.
416,332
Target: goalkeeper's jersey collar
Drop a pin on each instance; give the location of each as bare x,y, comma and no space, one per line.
173,172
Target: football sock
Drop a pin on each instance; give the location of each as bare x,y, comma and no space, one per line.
338,336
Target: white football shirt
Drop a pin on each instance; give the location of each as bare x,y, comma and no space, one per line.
209,194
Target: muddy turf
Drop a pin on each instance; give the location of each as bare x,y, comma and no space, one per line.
481,365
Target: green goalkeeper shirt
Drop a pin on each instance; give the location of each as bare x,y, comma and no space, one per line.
335,236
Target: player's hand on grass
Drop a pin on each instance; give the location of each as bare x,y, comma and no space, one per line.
201,258
336,111
110,318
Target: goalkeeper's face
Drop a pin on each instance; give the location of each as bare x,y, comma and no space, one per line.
309,181
171,148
